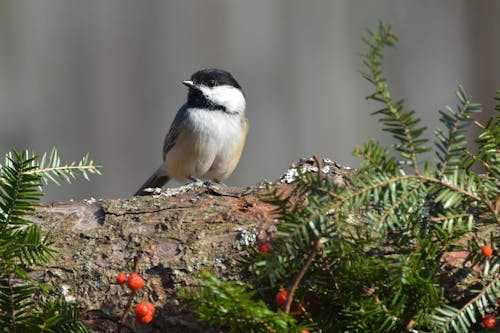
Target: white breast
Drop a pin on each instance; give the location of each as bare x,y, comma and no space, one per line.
209,147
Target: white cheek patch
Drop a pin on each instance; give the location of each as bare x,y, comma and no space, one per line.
227,96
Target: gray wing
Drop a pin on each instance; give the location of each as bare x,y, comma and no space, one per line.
175,129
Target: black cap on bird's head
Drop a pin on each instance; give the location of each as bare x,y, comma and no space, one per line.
211,77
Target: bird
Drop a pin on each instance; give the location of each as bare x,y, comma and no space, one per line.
208,134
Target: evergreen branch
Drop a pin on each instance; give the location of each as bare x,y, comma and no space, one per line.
50,169
382,184
335,207
465,316
17,191
402,125
58,316
233,305
396,204
376,156
489,144
453,145
437,181
22,244
69,168
18,198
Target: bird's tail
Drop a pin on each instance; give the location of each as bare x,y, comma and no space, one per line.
158,179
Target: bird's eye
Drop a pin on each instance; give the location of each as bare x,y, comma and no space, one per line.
211,83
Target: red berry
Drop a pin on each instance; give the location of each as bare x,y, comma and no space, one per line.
280,298
489,321
305,331
265,247
121,278
487,251
135,281
144,319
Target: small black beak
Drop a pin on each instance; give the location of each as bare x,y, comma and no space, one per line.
189,84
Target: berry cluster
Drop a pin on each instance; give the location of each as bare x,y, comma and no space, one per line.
144,311
134,281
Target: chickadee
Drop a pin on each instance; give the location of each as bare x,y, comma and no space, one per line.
206,139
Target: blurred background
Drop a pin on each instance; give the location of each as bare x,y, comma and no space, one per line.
103,76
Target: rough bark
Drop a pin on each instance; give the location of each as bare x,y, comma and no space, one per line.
176,234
